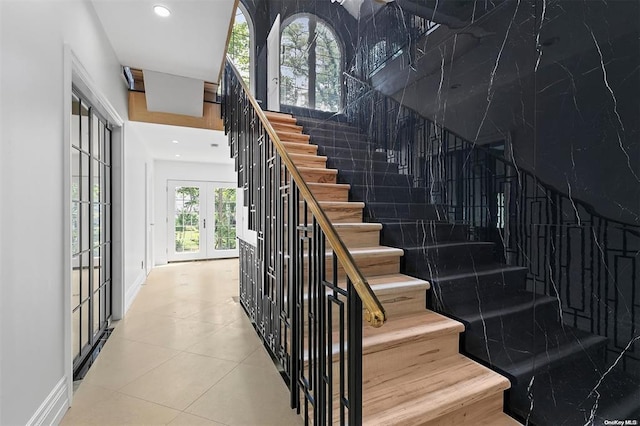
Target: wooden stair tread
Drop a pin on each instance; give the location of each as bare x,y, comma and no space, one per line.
287,127
370,226
298,145
315,169
346,204
385,284
420,326
330,185
375,251
292,136
427,391
309,156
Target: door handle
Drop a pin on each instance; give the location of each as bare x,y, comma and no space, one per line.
204,223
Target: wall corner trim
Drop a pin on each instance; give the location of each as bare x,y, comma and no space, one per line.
53,408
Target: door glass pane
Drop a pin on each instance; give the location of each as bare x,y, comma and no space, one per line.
225,218
84,324
84,127
75,227
95,300
75,334
187,219
75,282
95,138
75,121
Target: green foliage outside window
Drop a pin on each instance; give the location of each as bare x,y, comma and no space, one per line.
240,45
295,64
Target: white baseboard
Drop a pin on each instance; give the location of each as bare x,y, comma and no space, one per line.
53,407
131,294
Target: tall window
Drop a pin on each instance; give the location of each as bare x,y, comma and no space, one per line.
240,44
310,65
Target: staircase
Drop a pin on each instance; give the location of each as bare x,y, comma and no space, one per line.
507,328
413,373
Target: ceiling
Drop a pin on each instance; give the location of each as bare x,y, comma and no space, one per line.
189,43
193,144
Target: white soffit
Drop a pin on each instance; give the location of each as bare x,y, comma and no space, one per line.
174,94
190,42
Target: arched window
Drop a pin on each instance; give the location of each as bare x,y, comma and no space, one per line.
241,45
310,65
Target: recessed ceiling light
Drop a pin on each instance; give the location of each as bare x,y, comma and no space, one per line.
213,145
161,11
175,141
177,155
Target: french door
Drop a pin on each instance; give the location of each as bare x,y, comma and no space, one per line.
91,239
201,220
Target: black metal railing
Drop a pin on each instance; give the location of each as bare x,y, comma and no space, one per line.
378,46
590,263
299,284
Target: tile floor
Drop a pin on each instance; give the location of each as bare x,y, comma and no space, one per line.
184,355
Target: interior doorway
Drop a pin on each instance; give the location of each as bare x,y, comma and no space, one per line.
201,220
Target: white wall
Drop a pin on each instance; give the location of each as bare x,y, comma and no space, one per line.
180,170
32,268
136,160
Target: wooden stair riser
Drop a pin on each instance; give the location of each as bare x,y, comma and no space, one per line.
318,175
403,303
330,192
471,414
370,266
286,127
293,137
277,117
309,161
420,351
301,148
338,214
354,238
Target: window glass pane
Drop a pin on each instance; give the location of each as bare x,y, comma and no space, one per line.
84,177
95,300
97,221
75,227
75,121
84,127
75,174
84,276
239,46
107,147
294,63
225,218
95,137
84,324
187,219
75,334
75,281
85,226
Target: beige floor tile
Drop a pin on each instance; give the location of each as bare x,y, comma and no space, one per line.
230,343
181,308
122,361
137,325
119,409
180,334
180,381
259,358
185,419
247,396
224,313
88,394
